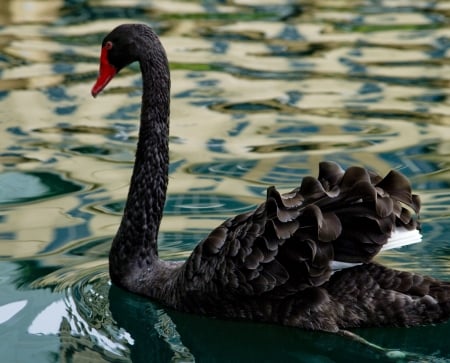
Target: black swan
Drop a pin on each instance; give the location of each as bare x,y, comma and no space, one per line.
300,259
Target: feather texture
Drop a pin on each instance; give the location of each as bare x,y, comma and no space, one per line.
288,243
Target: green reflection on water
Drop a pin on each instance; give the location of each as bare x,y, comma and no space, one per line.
19,188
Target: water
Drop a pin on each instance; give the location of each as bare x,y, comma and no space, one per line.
262,91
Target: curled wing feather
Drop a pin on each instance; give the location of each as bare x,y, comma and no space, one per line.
287,243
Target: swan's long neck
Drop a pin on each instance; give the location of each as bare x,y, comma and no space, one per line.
135,245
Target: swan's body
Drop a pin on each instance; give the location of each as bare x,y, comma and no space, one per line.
300,259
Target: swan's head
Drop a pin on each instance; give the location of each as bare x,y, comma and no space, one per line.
124,45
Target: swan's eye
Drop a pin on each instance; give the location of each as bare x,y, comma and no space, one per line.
108,45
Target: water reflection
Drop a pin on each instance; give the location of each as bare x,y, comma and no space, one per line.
261,93
139,330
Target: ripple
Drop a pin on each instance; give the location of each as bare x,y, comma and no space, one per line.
235,168
287,171
290,146
12,159
191,204
74,129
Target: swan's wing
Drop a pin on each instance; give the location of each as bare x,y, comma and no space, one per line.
289,242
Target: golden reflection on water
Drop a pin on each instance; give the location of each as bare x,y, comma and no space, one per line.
29,11
261,93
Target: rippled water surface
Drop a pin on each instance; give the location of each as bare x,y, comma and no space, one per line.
262,91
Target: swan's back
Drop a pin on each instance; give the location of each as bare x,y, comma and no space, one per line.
276,263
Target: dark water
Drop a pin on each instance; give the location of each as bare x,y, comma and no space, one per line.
262,91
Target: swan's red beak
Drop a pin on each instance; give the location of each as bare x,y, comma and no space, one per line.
106,73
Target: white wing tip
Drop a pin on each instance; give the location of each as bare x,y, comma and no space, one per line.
399,238
339,265
402,237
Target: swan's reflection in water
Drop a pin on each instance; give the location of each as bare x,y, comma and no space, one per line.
104,323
